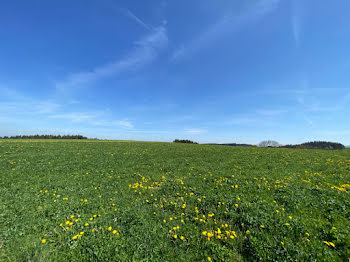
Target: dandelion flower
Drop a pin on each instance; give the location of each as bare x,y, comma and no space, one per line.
43,241
109,228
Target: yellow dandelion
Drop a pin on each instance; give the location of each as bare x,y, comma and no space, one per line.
109,228
43,241
182,237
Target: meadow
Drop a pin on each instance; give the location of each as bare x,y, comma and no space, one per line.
143,201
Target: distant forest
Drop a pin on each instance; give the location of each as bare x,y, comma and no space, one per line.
233,144
317,145
185,141
308,145
45,137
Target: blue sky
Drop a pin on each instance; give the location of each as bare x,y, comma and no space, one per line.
210,71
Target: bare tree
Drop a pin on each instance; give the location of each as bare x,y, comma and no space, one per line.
269,143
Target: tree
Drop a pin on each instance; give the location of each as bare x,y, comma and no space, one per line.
269,143
186,141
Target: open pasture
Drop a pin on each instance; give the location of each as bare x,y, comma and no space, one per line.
139,201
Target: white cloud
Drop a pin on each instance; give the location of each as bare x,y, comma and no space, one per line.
74,116
296,21
271,112
132,16
195,131
125,123
18,109
46,107
145,51
224,26
308,120
94,119
296,28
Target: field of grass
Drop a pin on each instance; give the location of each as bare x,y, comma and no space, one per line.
134,201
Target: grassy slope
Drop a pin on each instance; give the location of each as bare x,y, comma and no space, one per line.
282,208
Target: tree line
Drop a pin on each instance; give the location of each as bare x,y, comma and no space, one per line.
45,137
270,143
317,145
186,141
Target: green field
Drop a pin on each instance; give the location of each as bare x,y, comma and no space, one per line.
138,201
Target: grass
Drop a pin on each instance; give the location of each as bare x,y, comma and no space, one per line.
134,201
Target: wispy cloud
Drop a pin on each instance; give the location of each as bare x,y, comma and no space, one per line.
94,119
296,21
124,123
144,51
296,28
223,26
195,131
74,116
46,107
271,112
308,120
135,18
20,109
